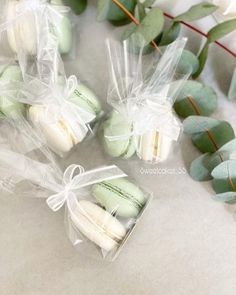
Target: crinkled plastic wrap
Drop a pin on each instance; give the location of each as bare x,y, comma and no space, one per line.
60,110
33,28
102,206
142,89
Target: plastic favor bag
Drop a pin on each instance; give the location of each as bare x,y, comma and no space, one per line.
32,27
142,90
102,205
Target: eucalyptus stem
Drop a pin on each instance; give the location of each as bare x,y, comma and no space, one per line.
203,34
134,20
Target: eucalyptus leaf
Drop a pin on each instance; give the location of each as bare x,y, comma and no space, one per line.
202,59
151,26
224,170
195,98
221,30
148,3
198,124
227,197
197,11
171,34
116,16
222,185
78,6
229,147
232,89
201,167
139,12
188,63
102,9
214,138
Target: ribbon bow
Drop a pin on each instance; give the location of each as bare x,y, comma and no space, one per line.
73,182
58,103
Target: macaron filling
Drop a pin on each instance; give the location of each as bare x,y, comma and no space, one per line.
66,129
122,194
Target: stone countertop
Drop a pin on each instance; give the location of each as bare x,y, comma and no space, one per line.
186,242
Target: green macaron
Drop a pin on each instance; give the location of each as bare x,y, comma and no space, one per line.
120,196
7,107
63,29
124,145
87,100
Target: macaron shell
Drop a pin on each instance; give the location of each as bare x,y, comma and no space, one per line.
116,125
24,30
165,147
10,15
154,146
56,136
119,196
11,108
27,33
12,73
64,34
86,99
97,225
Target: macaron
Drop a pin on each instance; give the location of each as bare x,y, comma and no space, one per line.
9,107
58,133
23,28
98,225
120,197
154,146
117,126
63,30
87,100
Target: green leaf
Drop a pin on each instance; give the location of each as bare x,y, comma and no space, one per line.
225,170
171,34
110,11
229,147
224,177
78,6
195,98
202,59
199,124
188,63
221,185
214,138
139,12
197,12
201,167
228,197
116,16
148,3
221,30
151,26
232,89
102,9
136,49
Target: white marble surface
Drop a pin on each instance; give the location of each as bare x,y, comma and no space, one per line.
185,244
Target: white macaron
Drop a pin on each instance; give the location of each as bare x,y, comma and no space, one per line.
22,33
154,146
58,133
98,225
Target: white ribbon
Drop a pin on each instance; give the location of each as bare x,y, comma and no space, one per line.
150,112
58,104
75,182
